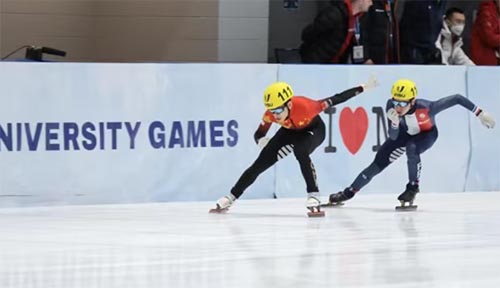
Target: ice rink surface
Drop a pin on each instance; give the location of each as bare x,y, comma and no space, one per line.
453,240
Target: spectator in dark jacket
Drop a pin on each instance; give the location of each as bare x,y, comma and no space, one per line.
485,41
419,28
379,35
330,38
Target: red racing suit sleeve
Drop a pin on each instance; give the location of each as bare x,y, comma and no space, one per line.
264,126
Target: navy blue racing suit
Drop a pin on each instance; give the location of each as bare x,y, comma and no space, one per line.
416,133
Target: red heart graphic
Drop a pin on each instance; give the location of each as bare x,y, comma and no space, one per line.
353,128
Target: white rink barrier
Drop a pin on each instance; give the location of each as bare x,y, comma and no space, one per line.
81,133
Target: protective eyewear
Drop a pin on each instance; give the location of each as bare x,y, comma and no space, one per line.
278,110
402,104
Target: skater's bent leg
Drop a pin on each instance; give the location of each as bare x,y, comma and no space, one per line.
315,136
366,176
414,163
307,169
277,148
389,152
304,145
416,146
363,178
263,162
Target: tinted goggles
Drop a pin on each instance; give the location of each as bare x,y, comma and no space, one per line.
278,110
402,104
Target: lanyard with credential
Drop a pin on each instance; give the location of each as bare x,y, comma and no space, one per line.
357,31
357,50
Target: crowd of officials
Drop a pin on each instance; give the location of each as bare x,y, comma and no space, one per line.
401,32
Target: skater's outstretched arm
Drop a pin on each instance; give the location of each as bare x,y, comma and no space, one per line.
342,96
349,93
457,99
450,101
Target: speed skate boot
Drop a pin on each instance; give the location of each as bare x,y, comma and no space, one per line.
223,204
313,204
337,199
408,197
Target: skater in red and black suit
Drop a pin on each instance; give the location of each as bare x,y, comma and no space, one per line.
302,130
412,130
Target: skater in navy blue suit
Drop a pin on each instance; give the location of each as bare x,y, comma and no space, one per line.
412,130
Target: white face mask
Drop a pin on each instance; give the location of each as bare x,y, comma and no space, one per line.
457,29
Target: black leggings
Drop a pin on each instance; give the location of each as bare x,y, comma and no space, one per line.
301,142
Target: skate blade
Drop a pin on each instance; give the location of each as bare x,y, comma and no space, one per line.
218,211
332,204
316,214
406,208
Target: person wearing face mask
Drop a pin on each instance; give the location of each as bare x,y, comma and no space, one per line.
301,132
450,41
412,130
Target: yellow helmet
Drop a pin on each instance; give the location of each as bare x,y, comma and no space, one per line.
404,90
277,94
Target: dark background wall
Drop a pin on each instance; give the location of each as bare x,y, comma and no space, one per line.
138,30
165,30
285,25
